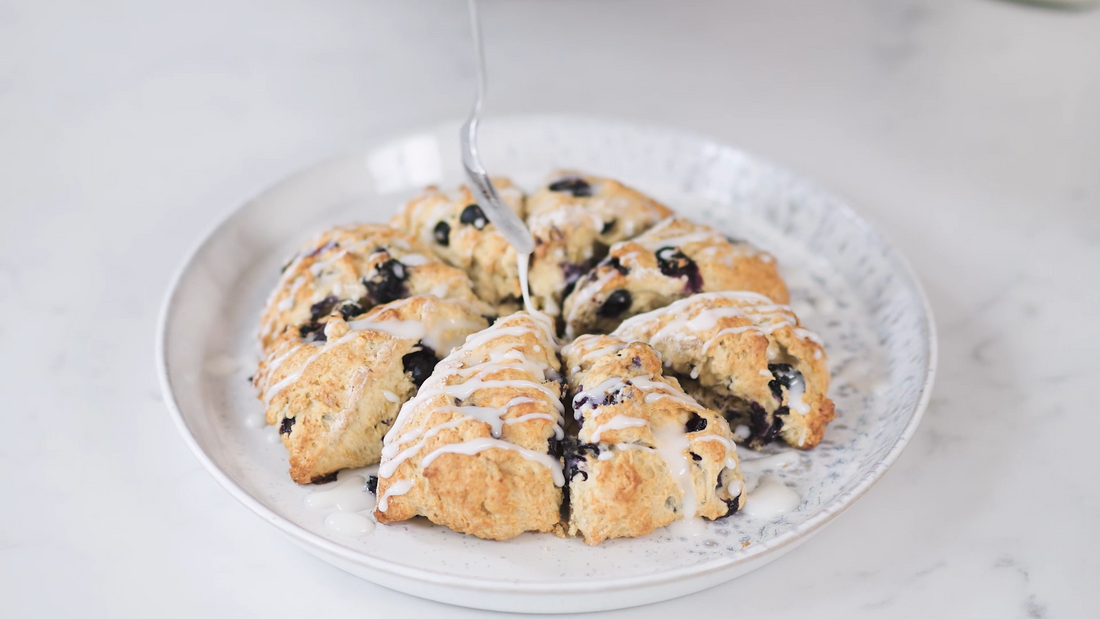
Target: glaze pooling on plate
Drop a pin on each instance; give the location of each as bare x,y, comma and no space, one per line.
846,285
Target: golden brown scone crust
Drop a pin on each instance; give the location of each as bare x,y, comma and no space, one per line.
637,428
334,400
357,267
574,219
471,243
670,261
499,491
736,351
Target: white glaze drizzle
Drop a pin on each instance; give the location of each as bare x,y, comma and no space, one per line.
618,422
672,445
771,498
393,452
349,495
398,488
477,445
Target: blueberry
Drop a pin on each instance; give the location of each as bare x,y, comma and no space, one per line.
575,456
420,363
572,184
696,423
732,505
674,263
616,304
372,484
608,225
472,216
614,263
286,425
387,283
313,332
636,362
764,432
350,309
573,274
554,447
785,376
695,456
324,479
442,233
323,307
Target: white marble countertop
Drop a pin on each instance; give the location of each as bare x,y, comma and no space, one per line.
969,131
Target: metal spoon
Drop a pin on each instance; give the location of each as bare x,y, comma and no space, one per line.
486,195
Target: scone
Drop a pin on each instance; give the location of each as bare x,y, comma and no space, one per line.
334,392
747,357
475,450
354,268
454,227
574,220
646,454
672,260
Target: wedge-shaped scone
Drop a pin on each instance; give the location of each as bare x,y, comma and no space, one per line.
453,226
670,261
476,449
574,219
747,357
334,393
646,453
352,269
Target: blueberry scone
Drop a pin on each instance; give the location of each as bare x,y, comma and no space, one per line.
475,450
646,453
672,260
747,357
333,392
574,220
352,269
454,227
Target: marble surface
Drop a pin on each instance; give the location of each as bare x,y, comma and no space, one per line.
969,131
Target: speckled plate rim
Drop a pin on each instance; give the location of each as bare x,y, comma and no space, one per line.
774,546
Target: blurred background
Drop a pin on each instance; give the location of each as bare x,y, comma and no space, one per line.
968,130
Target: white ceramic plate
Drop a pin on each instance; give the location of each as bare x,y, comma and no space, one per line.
847,284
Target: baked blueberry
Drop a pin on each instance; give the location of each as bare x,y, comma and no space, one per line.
608,226
324,479
615,305
387,283
420,363
472,216
696,423
313,332
286,425
323,307
673,263
442,233
372,484
785,376
350,309
574,185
